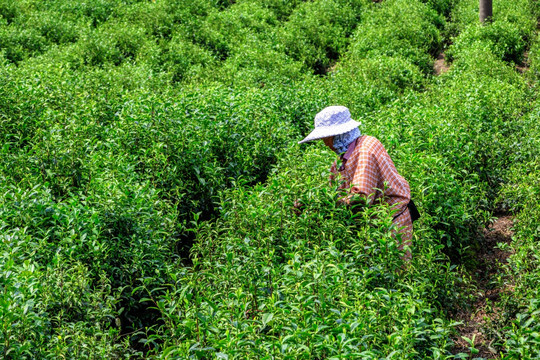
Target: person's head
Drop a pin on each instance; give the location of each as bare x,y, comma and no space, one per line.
334,125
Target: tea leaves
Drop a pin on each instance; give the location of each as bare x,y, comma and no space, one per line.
154,203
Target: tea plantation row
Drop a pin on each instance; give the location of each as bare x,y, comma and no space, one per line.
124,124
269,282
519,195
107,157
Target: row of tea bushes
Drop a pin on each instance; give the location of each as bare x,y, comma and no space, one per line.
317,33
390,54
508,36
273,281
249,35
189,40
501,139
518,327
246,43
325,31
480,102
234,304
118,160
507,124
399,29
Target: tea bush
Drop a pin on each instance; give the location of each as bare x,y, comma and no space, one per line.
94,234
443,7
55,30
96,12
519,195
125,125
272,280
182,58
507,36
9,10
519,13
256,64
281,8
242,38
111,44
20,285
159,19
317,32
223,31
399,28
502,38
63,307
17,44
369,84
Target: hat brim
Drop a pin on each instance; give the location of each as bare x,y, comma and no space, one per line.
326,131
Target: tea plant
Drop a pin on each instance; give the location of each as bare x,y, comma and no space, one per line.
131,130
393,31
271,280
519,195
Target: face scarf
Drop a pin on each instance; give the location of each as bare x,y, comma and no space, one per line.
342,142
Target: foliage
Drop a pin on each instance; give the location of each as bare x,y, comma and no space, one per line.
369,84
271,280
399,28
317,32
133,131
519,195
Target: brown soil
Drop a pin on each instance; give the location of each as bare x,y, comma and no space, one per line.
331,68
440,66
484,310
524,66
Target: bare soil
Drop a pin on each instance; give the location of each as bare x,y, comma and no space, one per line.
484,310
524,66
440,66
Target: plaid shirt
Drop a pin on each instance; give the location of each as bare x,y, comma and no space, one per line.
367,168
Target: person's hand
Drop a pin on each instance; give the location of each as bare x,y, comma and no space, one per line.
342,201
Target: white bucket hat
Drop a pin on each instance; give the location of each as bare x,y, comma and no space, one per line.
331,121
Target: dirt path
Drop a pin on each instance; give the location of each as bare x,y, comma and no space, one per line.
524,66
440,66
476,318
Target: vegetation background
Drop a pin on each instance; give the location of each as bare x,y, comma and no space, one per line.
149,168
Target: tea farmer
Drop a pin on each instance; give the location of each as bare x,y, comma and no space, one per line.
366,168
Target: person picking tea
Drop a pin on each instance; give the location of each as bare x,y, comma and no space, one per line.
366,169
